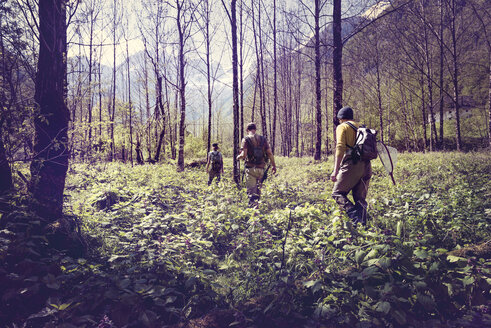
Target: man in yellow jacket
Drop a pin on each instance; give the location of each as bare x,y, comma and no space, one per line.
350,174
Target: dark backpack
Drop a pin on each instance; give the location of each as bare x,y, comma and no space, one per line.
216,161
255,154
365,147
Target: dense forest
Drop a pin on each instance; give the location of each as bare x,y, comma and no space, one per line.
109,109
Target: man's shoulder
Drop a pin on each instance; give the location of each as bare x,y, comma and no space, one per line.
348,125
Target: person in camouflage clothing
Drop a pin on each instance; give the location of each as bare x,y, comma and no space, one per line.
215,160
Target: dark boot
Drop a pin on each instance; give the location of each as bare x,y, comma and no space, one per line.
359,214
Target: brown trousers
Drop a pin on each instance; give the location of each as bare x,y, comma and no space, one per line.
354,178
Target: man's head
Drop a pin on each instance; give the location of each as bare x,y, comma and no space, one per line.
215,146
251,127
345,113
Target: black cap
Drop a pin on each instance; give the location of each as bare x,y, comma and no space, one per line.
345,113
251,126
215,145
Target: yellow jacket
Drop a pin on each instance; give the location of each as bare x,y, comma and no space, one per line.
345,135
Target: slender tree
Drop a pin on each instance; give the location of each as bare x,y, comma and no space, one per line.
337,62
50,164
185,13
275,80
232,15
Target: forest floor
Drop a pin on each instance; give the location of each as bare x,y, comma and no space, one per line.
166,250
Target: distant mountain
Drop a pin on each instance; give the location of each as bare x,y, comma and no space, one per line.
196,87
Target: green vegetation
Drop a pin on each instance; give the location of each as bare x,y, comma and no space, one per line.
164,248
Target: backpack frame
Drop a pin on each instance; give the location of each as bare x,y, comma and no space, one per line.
365,147
256,154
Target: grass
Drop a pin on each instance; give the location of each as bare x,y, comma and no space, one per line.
165,248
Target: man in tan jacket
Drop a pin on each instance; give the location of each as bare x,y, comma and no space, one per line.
350,174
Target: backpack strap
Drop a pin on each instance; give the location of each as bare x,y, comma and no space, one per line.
356,131
352,126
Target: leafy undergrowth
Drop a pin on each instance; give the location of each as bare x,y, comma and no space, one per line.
166,250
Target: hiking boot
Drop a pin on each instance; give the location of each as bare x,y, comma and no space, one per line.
358,214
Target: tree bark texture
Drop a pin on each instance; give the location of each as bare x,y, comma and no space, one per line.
182,87
489,103
50,163
318,110
235,89
441,62
208,74
337,64
5,171
275,78
455,75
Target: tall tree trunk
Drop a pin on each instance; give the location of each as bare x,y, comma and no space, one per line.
379,91
254,96
429,72
130,105
318,110
423,111
113,113
100,101
235,89
241,69
455,76
275,91
327,108
489,102
264,125
147,107
182,87
89,105
5,171
159,110
258,76
442,58
50,163
298,107
337,64
208,74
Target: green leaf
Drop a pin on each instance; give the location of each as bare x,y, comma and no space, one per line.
452,258
421,254
310,283
368,272
359,256
399,229
468,280
383,307
372,254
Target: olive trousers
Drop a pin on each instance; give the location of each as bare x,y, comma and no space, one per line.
212,175
253,176
354,177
